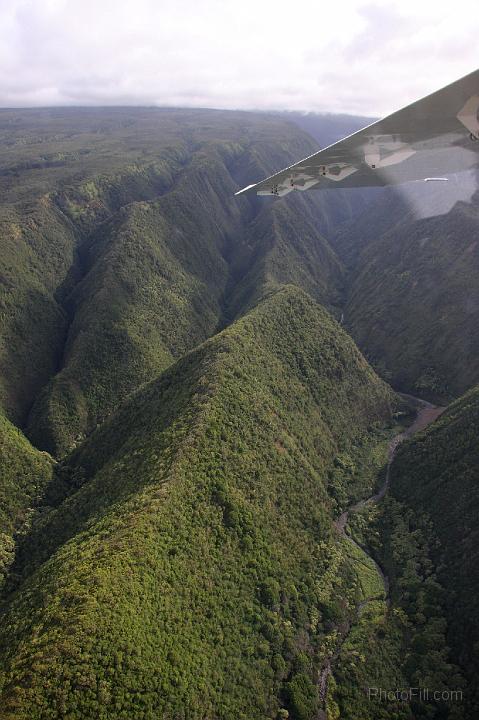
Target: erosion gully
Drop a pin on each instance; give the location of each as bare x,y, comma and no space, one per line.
426,413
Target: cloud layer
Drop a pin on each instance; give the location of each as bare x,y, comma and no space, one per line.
368,58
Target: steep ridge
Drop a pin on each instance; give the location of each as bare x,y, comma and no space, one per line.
134,250
435,481
25,473
188,563
38,250
152,291
294,256
182,560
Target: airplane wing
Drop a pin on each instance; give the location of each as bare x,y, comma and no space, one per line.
436,135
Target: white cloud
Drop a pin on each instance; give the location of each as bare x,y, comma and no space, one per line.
346,56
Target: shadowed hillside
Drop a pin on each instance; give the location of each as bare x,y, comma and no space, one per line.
25,474
412,293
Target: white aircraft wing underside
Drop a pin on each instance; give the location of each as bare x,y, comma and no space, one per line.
436,135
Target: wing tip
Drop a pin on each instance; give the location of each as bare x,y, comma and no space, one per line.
246,189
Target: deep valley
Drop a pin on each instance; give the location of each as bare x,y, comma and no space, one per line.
226,487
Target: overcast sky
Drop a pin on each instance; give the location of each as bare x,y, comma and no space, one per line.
355,56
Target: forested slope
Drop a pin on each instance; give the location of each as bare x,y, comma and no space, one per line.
124,247
187,562
176,555
25,473
435,478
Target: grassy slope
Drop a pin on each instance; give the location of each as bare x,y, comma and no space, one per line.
125,246
435,480
197,526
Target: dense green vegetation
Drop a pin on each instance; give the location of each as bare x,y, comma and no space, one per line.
409,644
359,471
37,253
425,536
123,247
196,524
433,515
25,473
403,643
210,422
370,658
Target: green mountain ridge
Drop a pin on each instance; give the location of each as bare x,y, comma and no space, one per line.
174,348
102,252
25,474
196,523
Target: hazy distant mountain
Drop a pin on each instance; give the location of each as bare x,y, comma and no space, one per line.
327,128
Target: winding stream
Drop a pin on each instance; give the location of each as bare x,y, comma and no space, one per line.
426,413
